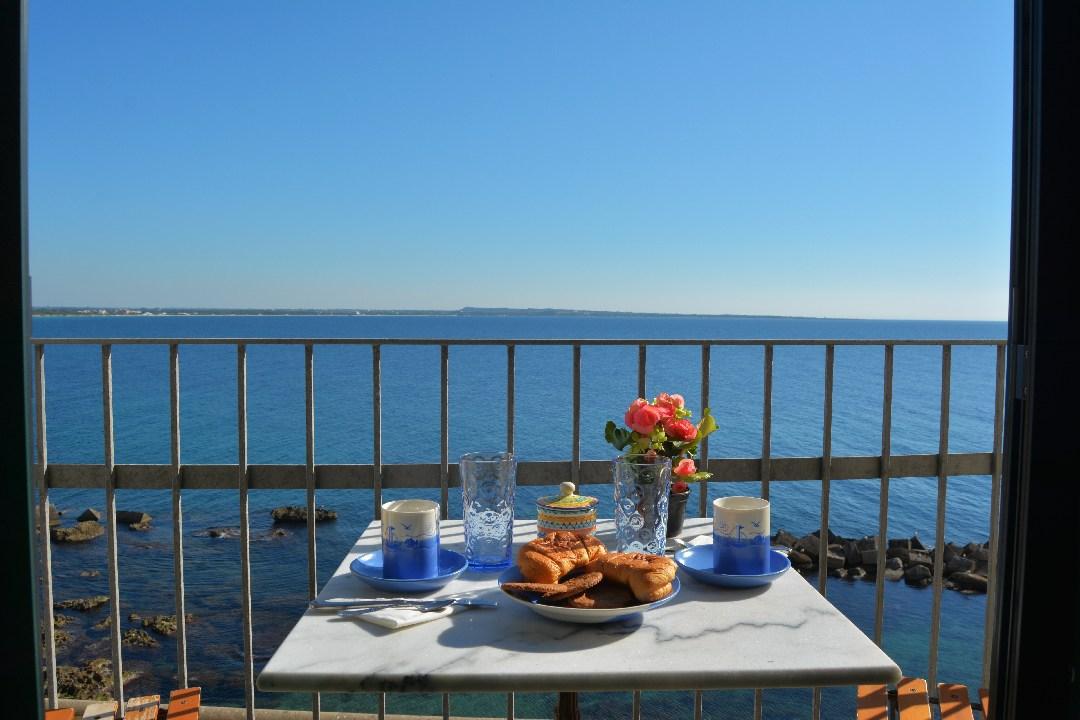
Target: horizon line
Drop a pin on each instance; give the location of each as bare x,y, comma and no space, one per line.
471,311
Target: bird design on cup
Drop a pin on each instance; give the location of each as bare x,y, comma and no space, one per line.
735,533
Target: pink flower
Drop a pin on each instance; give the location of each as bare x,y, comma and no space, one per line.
682,430
668,404
685,467
643,420
634,407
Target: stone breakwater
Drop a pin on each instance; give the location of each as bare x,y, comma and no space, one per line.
964,567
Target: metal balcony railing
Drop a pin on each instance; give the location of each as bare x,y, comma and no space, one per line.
378,476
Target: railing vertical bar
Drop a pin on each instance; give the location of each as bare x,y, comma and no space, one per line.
376,429
706,369
641,353
309,468
883,506
995,508
766,459
177,515
309,446
444,459
44,530
110,512
245,529
826,467
510,372
444,426
575,464
698,704
766,421
939,533
376,455
636,713
826,477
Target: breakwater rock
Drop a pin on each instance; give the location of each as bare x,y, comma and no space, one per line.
233,533
83,604
298,514
964,568
161,624
90,681
80,532
134,519
139,638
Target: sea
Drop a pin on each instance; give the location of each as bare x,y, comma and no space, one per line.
477,422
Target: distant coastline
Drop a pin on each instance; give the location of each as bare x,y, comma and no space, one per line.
71,311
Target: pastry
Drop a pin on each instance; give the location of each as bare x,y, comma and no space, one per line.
548,559
603,596
535,588
574,586
648,576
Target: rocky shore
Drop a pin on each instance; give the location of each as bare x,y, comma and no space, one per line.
88,525
92,680
298,514
964,567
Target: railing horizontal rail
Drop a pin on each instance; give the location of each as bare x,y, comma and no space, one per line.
508,341
537,472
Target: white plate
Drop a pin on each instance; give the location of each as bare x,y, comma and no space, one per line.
581,615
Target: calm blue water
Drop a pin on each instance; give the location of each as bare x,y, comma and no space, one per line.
410,431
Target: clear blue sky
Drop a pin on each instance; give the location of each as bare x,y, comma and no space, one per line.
840,159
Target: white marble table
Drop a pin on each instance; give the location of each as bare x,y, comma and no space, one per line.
783,635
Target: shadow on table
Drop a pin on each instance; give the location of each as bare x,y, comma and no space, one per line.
521,631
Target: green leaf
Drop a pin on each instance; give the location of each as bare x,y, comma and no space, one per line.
706,425
617,436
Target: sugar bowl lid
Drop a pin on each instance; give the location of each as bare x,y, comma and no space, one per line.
567,499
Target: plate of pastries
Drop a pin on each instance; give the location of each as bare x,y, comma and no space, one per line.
575,579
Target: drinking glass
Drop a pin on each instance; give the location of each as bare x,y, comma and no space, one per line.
641,503
487,488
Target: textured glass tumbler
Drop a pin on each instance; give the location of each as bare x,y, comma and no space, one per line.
641,504
487,494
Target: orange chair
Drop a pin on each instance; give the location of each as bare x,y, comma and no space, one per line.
911,701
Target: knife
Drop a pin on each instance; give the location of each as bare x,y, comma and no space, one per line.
338,604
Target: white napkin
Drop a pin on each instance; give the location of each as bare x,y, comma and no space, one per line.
397,618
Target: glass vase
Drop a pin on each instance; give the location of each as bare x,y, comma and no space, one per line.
641,503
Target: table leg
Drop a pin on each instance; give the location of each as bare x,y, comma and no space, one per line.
568,709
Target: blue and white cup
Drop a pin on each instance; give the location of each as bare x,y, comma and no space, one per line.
741,537
410,539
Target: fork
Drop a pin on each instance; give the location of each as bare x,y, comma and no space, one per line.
429,606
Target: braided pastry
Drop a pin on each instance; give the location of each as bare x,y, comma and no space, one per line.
648,576
547,559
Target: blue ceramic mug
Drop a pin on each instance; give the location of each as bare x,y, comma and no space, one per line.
741,536
410,539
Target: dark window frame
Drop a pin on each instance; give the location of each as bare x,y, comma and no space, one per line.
1037,646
